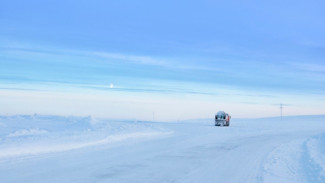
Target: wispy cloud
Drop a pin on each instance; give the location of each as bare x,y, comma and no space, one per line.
132,58
310,71
311,67
31,51
98,67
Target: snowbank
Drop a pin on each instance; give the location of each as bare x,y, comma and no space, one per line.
24,135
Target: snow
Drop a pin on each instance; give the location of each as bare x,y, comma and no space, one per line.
38,148
25,132
315,154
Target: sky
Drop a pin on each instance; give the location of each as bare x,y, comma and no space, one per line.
162,60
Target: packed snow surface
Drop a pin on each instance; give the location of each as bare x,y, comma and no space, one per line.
36,148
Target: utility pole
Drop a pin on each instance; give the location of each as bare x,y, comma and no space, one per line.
281,110
153,116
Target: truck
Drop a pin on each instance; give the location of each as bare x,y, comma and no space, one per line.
222,119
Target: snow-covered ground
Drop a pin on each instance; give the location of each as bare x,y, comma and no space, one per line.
40,148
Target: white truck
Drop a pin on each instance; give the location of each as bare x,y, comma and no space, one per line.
222,119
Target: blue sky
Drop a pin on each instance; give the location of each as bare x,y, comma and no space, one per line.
180,60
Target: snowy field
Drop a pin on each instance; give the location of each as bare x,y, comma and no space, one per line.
56,149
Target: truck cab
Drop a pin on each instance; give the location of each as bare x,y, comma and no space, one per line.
222,119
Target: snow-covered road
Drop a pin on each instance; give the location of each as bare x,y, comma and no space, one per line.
53,149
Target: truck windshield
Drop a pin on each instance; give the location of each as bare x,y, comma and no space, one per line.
221,115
